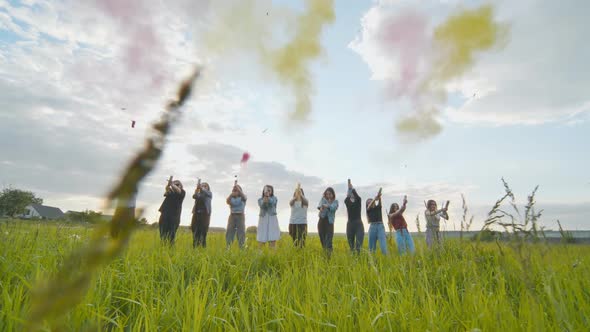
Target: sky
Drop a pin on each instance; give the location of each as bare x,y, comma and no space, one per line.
73,75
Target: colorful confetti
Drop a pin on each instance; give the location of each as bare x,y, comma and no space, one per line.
245,158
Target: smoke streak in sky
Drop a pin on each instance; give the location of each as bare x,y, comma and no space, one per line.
425,59
255,27
291,61
143,50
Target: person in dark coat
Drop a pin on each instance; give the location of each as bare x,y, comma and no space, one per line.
355,230
201,214
170,210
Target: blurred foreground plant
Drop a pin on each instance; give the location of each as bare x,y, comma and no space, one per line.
53,297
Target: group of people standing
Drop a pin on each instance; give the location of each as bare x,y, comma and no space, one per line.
268,231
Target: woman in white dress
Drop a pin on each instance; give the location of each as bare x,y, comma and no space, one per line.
268,224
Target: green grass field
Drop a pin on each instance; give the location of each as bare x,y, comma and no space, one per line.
154,287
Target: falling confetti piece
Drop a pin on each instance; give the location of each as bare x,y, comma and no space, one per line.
245,158
132,123
264,131
123,108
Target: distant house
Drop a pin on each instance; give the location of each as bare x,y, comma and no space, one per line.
42,212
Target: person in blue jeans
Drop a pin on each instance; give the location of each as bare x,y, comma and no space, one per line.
376,228
398,223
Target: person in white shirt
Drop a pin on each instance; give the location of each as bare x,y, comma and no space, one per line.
433,216
298,220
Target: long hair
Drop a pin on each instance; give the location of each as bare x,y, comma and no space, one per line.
272,190
329,189
391,207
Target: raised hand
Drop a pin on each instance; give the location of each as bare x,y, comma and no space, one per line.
446,206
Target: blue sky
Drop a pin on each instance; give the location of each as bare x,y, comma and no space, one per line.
65,75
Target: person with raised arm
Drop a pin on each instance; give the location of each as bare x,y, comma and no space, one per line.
327,214
355,230
201,214
236,222
376,228
170,210
433,216
398,223
298,220
268,230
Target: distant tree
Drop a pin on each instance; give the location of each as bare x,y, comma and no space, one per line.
14,201
142,221
252,229
88,216
95,217
75,216
487,235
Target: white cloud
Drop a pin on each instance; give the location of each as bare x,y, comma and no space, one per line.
61,100
540,76
67,98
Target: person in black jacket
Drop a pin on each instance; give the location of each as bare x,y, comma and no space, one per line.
170,210
201,214
376,228
355,231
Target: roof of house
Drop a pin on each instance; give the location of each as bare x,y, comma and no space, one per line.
48,212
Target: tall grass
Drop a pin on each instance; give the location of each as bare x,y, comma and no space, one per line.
155,287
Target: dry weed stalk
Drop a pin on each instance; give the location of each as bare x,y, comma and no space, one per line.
54,297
